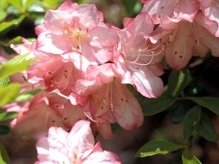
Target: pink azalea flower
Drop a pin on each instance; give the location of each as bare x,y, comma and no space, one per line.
136,54
195,41
42,112
79,29
171,11
53,73
193,24
108,101
210,10
76,147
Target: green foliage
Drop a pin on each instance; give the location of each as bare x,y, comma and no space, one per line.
157,147
4,82
206,129
4,158
211,103
191,121
7,43
27,95
177,81
188,158
8,93
5,26
132,6
177,113
154,106
51,4
17,64
3,14
5,116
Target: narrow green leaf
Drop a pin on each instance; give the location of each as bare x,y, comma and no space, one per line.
27,95
212,103
206,129
4,82
177,81
4,158
188,158
5,116
191,121
157,147
4,4
8,93
27,3
16,3
50,4
3,14
4,129
14,65
154,106
6,25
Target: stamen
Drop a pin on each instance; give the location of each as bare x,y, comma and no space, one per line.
193,28
122,96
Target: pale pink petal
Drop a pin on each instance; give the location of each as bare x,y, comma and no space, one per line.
83,141
50,43
147,83
127,110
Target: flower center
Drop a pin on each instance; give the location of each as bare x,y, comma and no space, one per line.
76,36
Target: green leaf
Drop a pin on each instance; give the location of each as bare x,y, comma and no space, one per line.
4,129
154,106
212,103
3,14
177,113
8,93
5,116
16,3
177,81
4,26
132,6
7,43
4,158
17,64
50,4
206,129
4,82
27,3
191,121
157,147
188,158
3,4
27,95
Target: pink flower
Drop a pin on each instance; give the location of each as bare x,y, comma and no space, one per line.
136,56
77,147
53,73
210,10
195,41
184,17
78,29
171,11
107,101
42,112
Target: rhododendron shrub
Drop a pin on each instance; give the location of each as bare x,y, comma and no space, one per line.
82,78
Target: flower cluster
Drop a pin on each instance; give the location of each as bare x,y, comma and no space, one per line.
185,28
84,65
